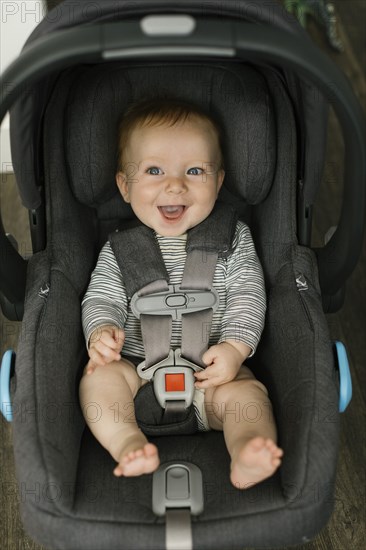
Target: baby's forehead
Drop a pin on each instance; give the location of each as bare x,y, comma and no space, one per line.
199,125
149,136
190,119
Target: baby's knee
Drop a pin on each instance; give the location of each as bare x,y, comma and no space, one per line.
239,391
114,373
256,386
250,383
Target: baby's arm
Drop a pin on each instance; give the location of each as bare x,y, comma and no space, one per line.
104,310
223,363
243,320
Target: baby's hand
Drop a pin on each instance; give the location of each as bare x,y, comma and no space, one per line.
223,363
105,346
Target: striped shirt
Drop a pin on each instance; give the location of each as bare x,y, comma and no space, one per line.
238,280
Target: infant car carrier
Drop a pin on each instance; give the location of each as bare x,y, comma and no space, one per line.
252,65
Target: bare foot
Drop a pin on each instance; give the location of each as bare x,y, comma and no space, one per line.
258,459
137,457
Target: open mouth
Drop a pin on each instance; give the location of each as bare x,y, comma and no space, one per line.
172,212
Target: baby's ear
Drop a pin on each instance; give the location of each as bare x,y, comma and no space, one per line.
220,177
121,180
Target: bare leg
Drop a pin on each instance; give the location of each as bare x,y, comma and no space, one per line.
241,409
106,397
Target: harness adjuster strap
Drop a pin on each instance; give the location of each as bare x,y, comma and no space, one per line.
178,530
177,494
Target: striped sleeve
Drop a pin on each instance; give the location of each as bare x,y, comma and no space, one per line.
244,316
105,301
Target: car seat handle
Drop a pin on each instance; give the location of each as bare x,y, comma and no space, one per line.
212,39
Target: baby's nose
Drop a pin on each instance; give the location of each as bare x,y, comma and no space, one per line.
176,185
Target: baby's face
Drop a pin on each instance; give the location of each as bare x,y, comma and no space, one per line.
171,176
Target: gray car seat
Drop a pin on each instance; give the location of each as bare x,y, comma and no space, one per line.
84,205
71,498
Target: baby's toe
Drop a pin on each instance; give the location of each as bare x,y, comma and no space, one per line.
258,443
150,449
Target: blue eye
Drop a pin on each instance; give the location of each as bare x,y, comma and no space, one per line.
154,171
195,171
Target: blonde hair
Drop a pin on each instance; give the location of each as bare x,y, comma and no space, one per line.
159,112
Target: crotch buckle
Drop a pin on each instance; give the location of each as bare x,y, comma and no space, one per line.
172,377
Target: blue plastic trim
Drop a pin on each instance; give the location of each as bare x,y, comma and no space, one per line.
5,376
345,381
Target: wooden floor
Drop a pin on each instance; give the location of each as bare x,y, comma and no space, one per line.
346,529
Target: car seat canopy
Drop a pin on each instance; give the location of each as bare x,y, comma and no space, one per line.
239,100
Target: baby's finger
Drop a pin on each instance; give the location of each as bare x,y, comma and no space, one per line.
119,337
96,357
90,367
208,372
200,375
208,358
98,334
210,355
107,353
209,383
108,340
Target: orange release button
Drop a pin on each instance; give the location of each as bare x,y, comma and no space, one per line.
174,382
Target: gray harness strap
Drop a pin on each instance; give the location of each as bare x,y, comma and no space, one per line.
198,274
139,258
156,334
140,261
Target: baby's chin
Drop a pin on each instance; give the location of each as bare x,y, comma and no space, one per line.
163,231
171,233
